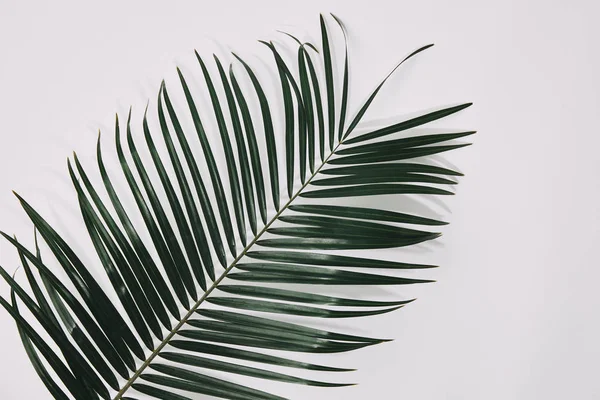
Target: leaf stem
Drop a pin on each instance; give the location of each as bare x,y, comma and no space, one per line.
193,309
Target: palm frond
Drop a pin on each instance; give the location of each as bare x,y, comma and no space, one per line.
188,315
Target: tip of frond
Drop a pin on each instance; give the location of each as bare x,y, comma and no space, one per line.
18,196
291,36
342,369
339,22
200,60
180,74
238,58
312,47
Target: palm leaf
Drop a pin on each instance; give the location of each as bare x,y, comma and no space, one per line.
182,318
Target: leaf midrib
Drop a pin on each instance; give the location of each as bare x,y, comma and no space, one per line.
209,290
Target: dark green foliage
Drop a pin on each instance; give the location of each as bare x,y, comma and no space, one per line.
180,308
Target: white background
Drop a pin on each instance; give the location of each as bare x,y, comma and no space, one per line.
514,314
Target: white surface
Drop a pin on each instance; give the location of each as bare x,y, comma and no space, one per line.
514,312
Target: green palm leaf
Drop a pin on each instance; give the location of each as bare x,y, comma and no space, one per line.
189,312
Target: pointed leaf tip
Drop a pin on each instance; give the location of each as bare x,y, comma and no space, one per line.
291,36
